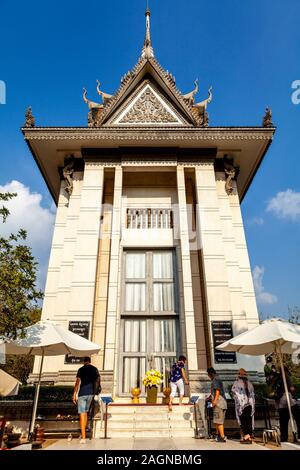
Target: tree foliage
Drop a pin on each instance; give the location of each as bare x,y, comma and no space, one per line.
4,212
294,317
18,293
19,296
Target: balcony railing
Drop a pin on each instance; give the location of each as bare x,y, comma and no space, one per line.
149,218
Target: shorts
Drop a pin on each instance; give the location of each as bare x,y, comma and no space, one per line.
84,403
174,386
219,415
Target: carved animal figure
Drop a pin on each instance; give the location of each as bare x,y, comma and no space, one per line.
91,104
230,172
203,104
190,97
68,171
105,96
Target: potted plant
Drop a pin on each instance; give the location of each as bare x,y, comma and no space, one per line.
152,380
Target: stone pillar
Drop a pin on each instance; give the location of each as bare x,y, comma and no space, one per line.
53,365
69,245
82,295
56,255
243,260
112,317
211,246
231,257
186,272
250,312
99,320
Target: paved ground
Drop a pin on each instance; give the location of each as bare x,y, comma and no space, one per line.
156,444
150,444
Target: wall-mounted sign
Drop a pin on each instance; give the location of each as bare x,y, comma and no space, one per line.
222,331
81,328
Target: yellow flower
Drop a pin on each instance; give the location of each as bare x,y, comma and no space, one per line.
152,378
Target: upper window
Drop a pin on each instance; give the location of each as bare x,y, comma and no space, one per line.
149,282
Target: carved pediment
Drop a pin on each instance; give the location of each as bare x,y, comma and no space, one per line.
148,107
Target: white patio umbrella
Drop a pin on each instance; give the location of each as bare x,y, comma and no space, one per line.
273,335
9,385
46,338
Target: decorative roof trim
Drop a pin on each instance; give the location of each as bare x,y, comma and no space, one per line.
149,134
164,76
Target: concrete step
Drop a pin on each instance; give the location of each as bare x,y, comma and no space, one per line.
151,424
165,425
115,409
148,421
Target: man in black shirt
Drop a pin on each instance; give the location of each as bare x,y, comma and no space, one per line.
86,385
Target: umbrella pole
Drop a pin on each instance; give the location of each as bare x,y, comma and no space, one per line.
286,391
36,399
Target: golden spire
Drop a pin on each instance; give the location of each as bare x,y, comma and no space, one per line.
147,50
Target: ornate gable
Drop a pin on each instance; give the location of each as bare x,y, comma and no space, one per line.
160,104
147,107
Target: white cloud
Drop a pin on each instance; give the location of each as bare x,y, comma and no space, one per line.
285,205
27,212
262,296
255,221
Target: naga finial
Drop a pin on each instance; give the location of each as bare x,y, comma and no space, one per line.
91,104
190,97
203,104
105,96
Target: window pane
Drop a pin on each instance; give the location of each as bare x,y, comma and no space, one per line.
163,264
135,297
134,369
135,265
134,336
164,336
163,297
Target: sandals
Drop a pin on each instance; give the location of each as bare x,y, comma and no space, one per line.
246,441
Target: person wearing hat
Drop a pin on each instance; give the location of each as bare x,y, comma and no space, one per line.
244,399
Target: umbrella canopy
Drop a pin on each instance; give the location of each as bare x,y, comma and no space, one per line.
8,384
49,339
46,338
273,335
267,337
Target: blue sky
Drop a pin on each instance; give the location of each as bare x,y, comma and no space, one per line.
248,50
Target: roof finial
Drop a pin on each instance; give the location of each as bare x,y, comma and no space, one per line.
147,51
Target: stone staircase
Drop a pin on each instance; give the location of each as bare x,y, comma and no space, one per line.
134,421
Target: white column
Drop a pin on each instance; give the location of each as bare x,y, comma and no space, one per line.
69,245
243,260
231,256
57,310
81,305
56,254
211,244
112,318
186,273
50,304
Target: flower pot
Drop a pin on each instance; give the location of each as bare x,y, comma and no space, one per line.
151,394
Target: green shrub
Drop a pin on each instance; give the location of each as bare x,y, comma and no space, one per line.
51,393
